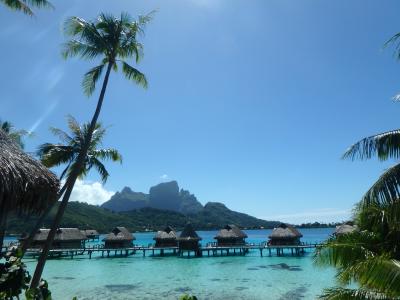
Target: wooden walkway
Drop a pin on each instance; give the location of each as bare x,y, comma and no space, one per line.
209,250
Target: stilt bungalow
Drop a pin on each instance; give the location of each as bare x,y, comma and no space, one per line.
66,238
345,229
166,238
119,237
91,234
230,235
284,235
189,240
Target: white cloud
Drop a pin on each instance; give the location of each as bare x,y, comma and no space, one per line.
164,177
90,192
320,215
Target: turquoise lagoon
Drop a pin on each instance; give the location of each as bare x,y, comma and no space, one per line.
232,277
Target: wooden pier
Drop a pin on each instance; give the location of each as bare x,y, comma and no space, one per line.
209,250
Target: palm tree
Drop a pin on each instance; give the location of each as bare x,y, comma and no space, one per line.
52,155
370,256
26,5
67,152
14,134
113,40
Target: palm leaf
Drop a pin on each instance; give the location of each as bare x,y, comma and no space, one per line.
90,79
339,293
133,74
385,145
385,189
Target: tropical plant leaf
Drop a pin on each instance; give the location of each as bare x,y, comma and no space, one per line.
385,145
90,79
133,74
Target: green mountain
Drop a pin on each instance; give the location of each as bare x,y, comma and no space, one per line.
165,196
86,216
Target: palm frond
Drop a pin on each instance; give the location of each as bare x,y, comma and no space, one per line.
385,189
133,74
74,48
394,40
90,79
26,5
111,154
339,293
94,162
384,145
65,137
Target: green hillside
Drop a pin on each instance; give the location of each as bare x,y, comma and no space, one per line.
86,216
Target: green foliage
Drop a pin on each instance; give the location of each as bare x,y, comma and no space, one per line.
53,155
26,5
14,278
16,135
86,216
370,257
109,38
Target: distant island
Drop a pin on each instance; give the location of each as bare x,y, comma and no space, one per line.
165,204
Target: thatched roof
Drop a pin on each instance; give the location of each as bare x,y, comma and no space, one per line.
231,232
284,231
167,234
62,234
345,228
26,185
88,232
119,234
188,233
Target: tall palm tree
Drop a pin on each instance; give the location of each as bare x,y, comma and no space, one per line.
14,134
112,40
26,5
67,152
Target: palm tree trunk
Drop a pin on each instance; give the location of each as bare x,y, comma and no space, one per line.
70,185
28,241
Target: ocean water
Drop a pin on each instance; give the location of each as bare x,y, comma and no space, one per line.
226,277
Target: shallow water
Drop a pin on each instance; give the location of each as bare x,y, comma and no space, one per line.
232,277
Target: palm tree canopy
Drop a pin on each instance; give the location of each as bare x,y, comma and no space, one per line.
26,5
67,152
16,135
110,39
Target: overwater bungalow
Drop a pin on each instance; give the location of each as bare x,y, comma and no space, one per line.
26,186
66,238
91,234
188,239
230,235
166,238
345,229
284,235
119,237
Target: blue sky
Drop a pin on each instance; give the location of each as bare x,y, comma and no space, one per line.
250,103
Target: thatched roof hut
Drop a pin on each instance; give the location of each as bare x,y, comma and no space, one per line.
119,237
285,235
188,239
65,238
91,234
345,229
166,237
26,186
230,235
